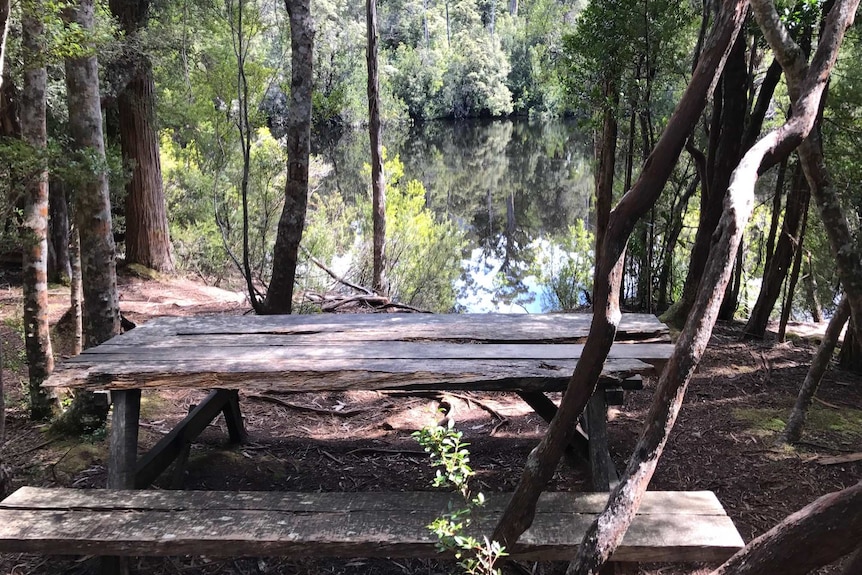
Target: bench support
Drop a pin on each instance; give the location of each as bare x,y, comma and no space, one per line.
171,446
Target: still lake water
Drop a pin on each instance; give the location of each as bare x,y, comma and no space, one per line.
515,186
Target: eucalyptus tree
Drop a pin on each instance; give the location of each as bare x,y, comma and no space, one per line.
5,22
34,232
378,182
101,315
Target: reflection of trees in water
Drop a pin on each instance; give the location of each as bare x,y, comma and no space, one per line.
510,182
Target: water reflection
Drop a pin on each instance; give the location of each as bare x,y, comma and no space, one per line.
515,186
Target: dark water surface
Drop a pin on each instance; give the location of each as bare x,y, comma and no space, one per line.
514,186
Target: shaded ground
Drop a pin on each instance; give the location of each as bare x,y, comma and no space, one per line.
722,441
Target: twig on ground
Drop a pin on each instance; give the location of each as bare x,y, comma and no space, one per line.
288,404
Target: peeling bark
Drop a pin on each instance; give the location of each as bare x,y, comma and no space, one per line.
279,296
543,460
34,228
816,535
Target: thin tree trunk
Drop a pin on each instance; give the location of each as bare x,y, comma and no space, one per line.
816,535
782,258
793,431
775,218
811,291
101,317
279,296
76,294
34,229
543,460
378,183
606,532
792,281
5,21
605,171
59,269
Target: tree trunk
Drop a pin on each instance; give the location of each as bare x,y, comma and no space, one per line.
34,229
76,295
811,291
792,281
279,296
793,431
147,236
610,526
101,317
59,263
674,229
816,535
854,563
850,358
846,251
607,153
775,218
378,183
780,263
725,149
4,33
543,460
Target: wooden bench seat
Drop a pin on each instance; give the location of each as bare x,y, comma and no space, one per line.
670,526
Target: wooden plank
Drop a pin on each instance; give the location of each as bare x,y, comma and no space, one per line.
602,470
334,532
291,375
124,438
41,498
364,327
205,349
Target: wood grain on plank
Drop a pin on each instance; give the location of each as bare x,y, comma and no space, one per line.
334,374
331,531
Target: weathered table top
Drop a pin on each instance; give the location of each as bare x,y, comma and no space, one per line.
371,351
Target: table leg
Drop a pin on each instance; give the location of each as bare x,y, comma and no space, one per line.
124,439
123,458
601,466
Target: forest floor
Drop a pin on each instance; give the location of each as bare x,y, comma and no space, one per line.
723,439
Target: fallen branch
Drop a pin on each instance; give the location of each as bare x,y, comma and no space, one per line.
820,533
298,407
333,275
839,459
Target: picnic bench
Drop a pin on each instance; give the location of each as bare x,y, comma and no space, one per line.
530,355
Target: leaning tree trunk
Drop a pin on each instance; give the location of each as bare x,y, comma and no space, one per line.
93,216
816,535
607,531
279,296
543,460
147,237
34,230
793,431
378,184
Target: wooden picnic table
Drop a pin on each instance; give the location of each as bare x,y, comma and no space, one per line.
526,354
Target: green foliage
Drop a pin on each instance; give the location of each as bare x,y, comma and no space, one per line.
422,250
450,454
568,273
